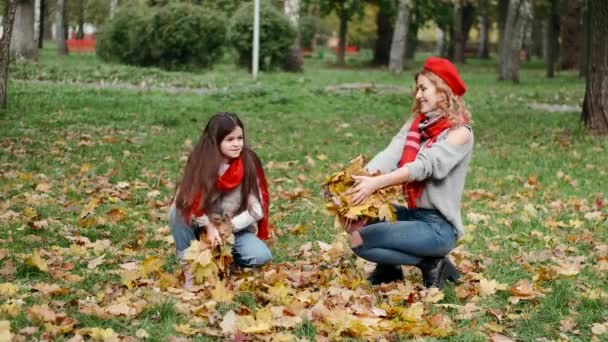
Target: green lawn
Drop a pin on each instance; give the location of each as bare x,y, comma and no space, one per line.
90,153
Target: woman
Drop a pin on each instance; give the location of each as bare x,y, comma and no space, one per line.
430,158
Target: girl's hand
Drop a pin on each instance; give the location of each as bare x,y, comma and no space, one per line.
213,235
364,186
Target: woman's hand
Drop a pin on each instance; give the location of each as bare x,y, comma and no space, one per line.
364,186
213,235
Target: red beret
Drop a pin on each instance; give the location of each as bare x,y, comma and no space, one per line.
447,71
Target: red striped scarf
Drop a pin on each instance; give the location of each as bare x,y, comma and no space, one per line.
428,131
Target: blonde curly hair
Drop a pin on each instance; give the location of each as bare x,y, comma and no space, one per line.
452,106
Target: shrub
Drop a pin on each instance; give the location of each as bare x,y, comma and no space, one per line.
174,36
276,35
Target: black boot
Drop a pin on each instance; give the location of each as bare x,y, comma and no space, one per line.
436,271
385,274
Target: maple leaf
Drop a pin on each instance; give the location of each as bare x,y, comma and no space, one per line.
249,325
99,334
151,264
228,323
36,261
8,289
42,313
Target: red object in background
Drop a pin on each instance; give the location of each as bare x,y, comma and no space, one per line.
87,44
348,49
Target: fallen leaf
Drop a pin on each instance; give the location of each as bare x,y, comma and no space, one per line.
8,289
36,261
95,262
42,313
228,323
5,331
496,337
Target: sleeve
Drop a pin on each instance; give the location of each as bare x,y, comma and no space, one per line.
388,159
201,220
248,217
437,161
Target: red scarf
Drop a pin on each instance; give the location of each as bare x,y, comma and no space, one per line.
430,132
231,179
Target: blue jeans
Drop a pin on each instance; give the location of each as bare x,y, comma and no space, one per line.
418,233
248,249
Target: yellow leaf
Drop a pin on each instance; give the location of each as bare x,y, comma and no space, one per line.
99,334
186,329
151,264
387,212
10,308
5,331
413,313
141,333
36,261
30,212
222,294
279,293
8,289
248,325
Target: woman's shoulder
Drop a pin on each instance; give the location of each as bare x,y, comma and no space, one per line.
460,135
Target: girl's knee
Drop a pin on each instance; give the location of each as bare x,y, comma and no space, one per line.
355,239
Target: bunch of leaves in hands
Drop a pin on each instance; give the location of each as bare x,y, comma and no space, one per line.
377,206
211,262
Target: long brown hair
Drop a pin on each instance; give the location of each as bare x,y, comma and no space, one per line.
201,171
452,106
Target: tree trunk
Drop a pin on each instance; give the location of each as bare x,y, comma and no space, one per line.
23,43
595,105
48,22
483,48
10,7
584,44
552,38
399,37
42,23
458,33
412,41
385,33
503,11
80,32
342,35
570,34
511,44
295,60
62,48
537,38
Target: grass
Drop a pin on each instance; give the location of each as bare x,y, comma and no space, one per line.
532,184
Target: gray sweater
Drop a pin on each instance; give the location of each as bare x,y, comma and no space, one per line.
443,166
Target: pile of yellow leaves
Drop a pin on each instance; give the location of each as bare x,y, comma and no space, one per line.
208,262
377,206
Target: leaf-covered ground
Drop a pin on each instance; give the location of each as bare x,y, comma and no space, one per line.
89,158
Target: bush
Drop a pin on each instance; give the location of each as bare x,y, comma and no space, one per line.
174,36
276,35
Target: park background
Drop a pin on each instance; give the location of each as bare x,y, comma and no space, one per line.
92,145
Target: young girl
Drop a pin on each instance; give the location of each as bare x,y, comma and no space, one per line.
430,157
222,176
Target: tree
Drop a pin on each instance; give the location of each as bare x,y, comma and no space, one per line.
570,33
483,44
294,60
345,10
511,41
595,104
62,48
384,32
10,8
551,46
23,43
399,37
